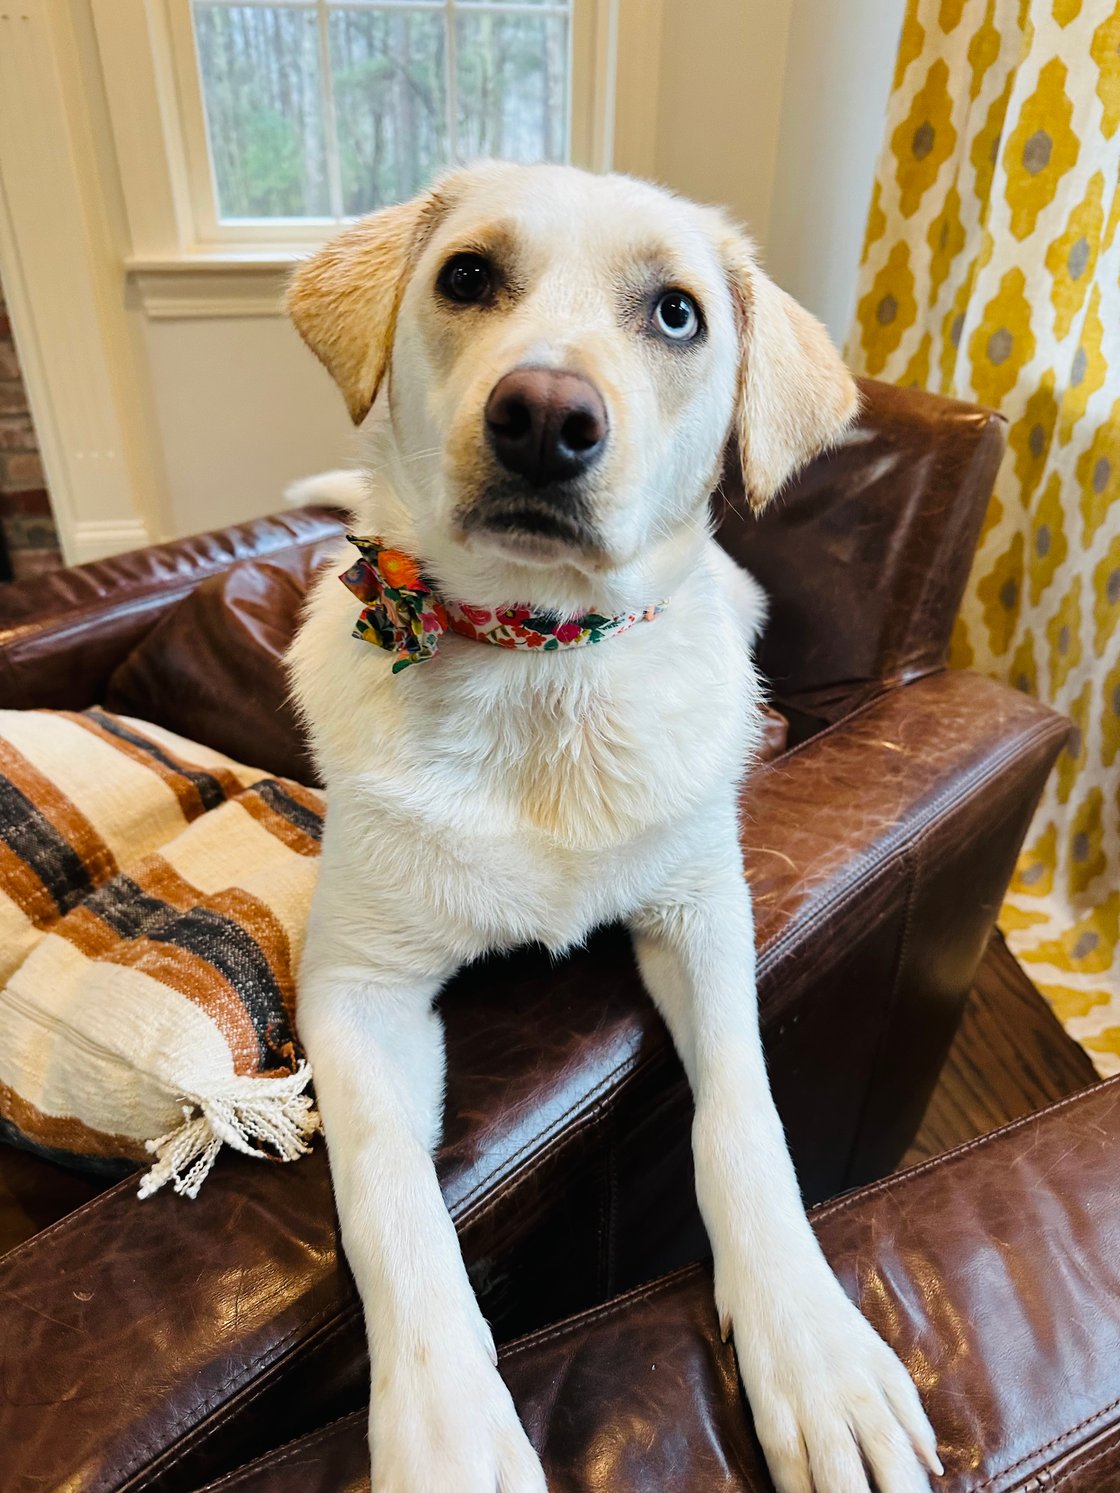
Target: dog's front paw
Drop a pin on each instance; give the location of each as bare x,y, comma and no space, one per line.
829,1398
448,1425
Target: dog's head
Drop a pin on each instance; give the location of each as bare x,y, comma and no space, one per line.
560,359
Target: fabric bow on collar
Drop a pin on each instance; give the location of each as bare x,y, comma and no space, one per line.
403,613
400,611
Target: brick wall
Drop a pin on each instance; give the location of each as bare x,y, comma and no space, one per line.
30,543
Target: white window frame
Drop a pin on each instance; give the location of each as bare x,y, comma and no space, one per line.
154,95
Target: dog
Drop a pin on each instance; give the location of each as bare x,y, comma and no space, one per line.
547,366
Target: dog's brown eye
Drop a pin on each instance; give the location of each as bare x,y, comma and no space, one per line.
466,278
676,316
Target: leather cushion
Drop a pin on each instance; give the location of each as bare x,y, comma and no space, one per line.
35,1192
212,668
993,1271
62,634
865,556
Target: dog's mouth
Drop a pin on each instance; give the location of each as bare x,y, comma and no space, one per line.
530,524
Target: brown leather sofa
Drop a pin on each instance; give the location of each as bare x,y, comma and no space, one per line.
158,1345
994,1271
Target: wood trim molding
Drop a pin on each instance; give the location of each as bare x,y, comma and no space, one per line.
93,539
61,270
187,293
133,52
635,86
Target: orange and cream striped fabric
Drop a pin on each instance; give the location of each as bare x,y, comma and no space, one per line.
153,900
991,272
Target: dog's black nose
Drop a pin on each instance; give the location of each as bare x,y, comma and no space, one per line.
544,425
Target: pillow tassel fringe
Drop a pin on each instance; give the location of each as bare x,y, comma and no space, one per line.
275,1111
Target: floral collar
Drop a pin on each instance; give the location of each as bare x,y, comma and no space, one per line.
403,613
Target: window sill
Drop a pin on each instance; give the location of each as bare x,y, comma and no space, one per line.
205,284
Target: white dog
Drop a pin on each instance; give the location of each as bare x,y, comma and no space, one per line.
554,362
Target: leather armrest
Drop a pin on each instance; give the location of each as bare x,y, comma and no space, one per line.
147,1345
834,813
866,555
894,832
63,633
992,1271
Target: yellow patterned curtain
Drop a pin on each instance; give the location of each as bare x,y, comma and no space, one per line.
991,271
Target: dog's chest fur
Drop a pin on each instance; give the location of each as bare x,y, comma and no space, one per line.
510,796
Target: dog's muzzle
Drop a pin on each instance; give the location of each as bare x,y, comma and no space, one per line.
545,426
546,430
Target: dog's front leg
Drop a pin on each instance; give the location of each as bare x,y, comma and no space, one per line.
441,1419
825,1390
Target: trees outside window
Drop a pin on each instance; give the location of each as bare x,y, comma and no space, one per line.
331,110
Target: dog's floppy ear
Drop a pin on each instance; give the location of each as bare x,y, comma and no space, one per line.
344,299
795,397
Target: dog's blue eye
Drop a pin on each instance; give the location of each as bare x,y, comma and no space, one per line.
676,316
466,278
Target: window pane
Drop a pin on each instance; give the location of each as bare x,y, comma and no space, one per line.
513,86
260,83
390,96
287,143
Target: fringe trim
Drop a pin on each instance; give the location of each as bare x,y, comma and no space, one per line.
275,1111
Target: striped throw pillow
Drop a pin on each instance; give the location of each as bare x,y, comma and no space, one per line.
153,901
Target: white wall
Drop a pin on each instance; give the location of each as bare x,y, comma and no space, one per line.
242,408
719,101
839,65
776,108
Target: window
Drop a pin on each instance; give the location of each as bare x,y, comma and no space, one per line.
299,114
245,130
